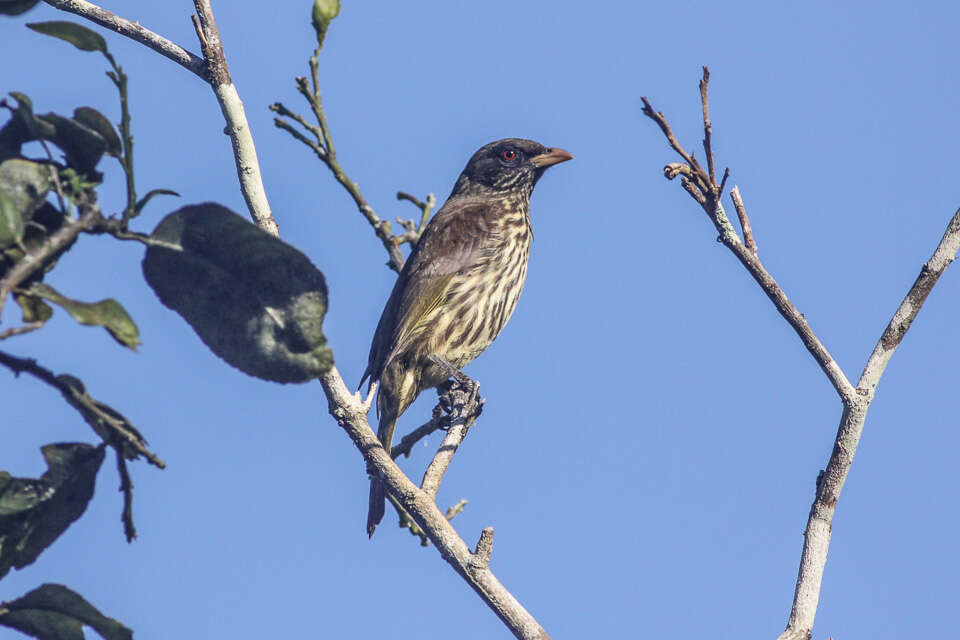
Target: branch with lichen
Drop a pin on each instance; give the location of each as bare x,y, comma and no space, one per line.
702,185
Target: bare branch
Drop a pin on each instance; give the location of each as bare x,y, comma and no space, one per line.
698,185
484,547
816,539
744,220
707,128
856,401
16,331
134,31
325,150
244,150
126,487
415,229
944,254
349,413
213,69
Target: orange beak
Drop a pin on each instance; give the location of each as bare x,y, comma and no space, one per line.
551,157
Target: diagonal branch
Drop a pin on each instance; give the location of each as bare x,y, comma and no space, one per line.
816,539
728,236
350,414
212,68
134,31
322,145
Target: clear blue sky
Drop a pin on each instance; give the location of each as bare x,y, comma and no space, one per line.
653,429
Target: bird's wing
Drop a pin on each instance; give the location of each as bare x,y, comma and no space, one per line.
456,239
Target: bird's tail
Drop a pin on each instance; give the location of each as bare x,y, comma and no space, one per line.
378,493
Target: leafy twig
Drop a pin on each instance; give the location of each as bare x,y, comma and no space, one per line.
55,242
116,430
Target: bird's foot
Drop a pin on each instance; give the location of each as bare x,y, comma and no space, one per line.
459,397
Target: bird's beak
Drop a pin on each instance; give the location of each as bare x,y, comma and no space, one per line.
550,158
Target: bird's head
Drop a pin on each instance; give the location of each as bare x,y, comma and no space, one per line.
508,165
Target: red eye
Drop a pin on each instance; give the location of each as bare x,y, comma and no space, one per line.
509,155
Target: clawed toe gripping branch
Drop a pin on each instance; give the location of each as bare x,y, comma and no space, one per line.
702,186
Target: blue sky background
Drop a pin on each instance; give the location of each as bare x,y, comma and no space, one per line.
653,429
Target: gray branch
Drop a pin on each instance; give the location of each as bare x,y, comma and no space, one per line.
134,31
702,186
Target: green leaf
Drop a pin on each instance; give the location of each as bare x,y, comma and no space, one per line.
82,145
33,513
255,301
108,314
93,119
54,612
324,11
16,7
33,308
153,192
22,127
11,222
79,36
26,184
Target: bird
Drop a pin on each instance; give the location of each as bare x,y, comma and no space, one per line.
459,286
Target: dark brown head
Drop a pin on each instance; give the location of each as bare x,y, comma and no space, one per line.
511,165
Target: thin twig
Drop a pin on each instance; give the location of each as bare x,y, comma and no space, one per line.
134,31
16,331
748,238
325,150
126,487
415,229
707,128
407,442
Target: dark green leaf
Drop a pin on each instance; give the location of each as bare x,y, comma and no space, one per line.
79,36
153,192
108,314
54,612
16,7
93,119
33,513
82,145
257,302
26,183
22,127
11,222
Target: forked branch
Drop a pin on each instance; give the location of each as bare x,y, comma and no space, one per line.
702,186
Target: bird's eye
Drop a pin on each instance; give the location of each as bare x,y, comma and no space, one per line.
509,155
